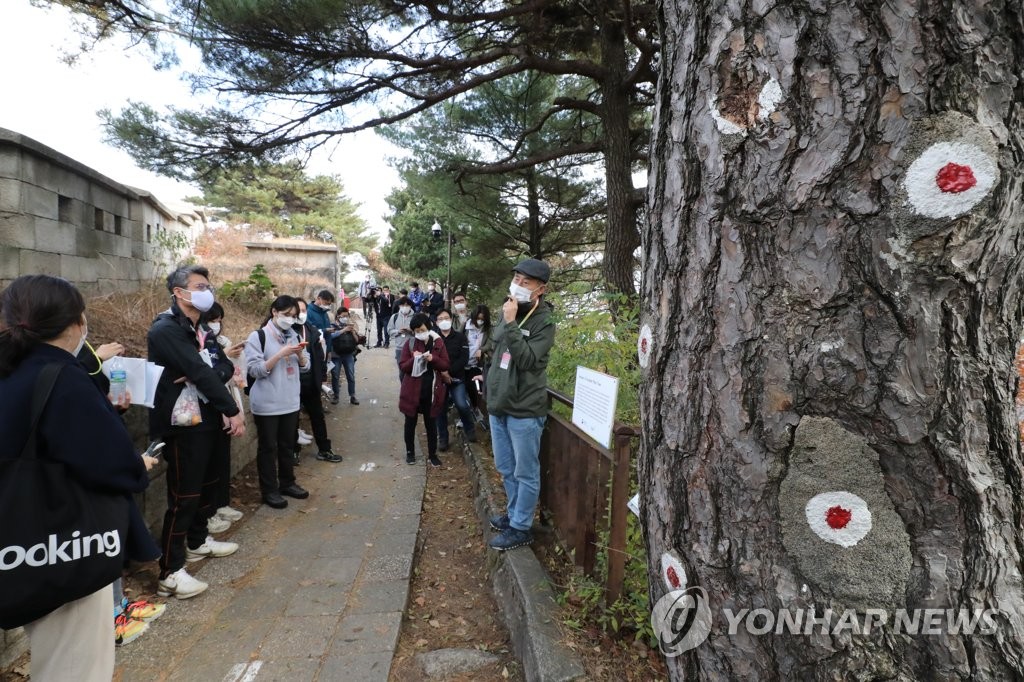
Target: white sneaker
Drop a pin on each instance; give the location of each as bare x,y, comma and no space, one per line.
217,524
328,391
230,514
304,439
210,548
181,585
303,434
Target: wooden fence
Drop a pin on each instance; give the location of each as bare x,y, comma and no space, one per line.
575,472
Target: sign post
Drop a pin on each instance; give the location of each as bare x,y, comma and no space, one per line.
594,402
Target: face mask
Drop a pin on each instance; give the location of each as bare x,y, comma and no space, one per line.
423,336
324,306
343,320
460,307
445,325
215,328
201,300
430,288
284,321
521,294
405,309
302,318
81,341
479,324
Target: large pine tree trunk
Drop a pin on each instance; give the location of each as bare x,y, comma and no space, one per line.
835,308
621,235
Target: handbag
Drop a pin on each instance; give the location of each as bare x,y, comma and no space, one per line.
61,541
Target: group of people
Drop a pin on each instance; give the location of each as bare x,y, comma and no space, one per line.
443,356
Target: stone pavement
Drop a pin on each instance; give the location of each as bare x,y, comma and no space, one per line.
316,591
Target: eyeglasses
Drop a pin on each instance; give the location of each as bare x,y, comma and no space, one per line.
203,287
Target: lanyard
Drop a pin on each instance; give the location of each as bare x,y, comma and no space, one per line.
99,363
535,305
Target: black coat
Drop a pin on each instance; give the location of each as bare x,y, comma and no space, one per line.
80,428
312,379
432,304
457,346
385,306
172,343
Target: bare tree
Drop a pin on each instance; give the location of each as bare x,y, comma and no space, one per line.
833,288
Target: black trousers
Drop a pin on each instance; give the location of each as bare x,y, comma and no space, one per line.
190,495
220,472
410,434
275,443
382,337
312,403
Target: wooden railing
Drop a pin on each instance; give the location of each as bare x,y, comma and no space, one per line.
575,471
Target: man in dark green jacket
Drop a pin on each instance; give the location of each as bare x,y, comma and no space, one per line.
517,398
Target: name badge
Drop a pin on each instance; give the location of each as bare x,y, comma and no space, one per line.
506,360
290,370
526,332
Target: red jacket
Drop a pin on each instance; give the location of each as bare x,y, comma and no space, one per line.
409,397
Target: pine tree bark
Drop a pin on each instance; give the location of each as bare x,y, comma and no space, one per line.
789,275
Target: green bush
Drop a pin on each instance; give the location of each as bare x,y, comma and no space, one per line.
256,289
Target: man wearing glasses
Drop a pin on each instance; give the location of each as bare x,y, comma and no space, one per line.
179,344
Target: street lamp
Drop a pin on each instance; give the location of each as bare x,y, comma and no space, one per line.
435,230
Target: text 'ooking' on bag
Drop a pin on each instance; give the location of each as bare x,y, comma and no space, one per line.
60,541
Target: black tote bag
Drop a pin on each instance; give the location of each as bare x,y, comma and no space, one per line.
58,540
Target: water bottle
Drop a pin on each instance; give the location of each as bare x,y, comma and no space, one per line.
118,380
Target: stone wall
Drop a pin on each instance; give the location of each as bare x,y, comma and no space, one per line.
60,217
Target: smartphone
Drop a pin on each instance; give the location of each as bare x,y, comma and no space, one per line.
154,449
303,344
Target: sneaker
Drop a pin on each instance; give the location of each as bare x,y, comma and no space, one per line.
209,549
143,610
443,447
181,585
434,461
217,524
510,538
127,629
334,399
303,434
353,400
328,456
410,458
500,523
230,514
304,439
327,390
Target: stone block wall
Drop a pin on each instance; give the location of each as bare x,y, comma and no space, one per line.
60,217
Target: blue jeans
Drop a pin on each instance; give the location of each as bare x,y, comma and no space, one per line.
457,394
348,361
516,445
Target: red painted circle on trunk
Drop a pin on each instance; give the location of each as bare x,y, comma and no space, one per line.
954,178
673,577
643,345
837,517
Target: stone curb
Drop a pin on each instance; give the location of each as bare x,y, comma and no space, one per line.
524,596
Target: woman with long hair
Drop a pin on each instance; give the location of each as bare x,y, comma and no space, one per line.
274,358
478,332
43,323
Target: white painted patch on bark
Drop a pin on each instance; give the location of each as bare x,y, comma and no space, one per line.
769,99
923,191
828,346
725,126
672,571
838,517
644,345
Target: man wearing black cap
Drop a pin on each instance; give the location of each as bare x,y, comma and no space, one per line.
517,399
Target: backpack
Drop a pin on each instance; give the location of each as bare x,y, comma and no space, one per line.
344,344
250,379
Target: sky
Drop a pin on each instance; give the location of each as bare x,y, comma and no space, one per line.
43,98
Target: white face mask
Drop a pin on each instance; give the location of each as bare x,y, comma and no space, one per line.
343,321
460,307
521,294
284,322
479,324
201,300
324,306
423,336
430,288
302,318
405,309
214,327
81,341
444,325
